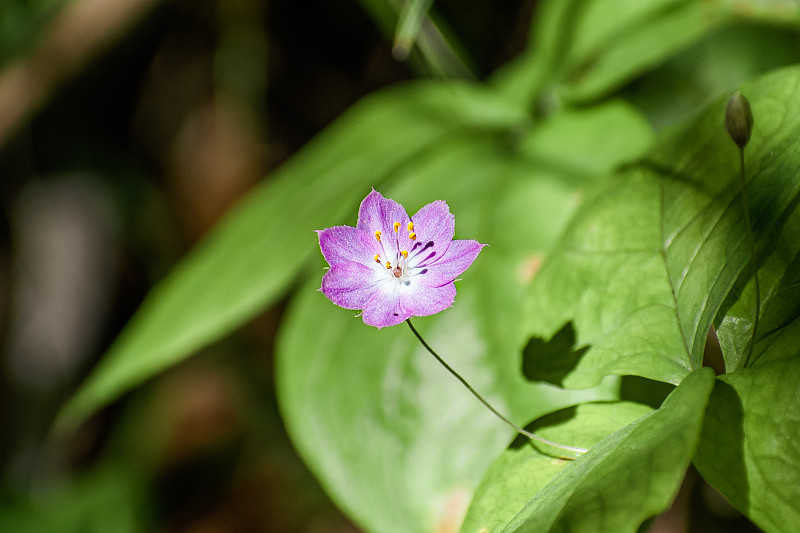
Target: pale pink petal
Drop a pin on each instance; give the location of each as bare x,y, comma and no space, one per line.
340,244
425,301
434,223
379,214
351,285
384,309
440,271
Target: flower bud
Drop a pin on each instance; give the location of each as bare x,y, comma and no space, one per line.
739,119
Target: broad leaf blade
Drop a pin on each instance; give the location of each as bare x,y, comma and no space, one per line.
628,477
649,260
523,470
581,50
396,441
589,140
779,281
749,447
251,257
607,276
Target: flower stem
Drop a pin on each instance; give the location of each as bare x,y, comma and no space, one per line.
480,398
753,266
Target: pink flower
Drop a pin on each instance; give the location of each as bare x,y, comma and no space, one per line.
393,267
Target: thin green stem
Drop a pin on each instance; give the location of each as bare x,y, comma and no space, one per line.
480,398
753,266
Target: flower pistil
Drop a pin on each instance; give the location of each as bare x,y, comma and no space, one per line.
401,269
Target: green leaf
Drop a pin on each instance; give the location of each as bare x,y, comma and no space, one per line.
581,50
441,53
749,446
523,470
253,255
608,277
779,279
650,258
109,497
748,450
590,140
393,438
628,477
409,23
723,59
396,441
616,40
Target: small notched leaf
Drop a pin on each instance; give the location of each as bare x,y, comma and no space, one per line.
551,361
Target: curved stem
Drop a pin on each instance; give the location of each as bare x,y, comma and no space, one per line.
480,398
753,266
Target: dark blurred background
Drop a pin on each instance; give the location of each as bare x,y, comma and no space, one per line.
127,128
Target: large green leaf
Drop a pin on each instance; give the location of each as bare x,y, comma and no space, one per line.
522,471
626,478
588,140
581,50
649,260
778,258
749,448
722,59
396,441
250,258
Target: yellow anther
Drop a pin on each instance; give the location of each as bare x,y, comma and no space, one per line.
396,227
377,258
412,236
404,253
378,235
388,265
410,226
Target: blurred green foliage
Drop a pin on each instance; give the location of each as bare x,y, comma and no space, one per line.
596,165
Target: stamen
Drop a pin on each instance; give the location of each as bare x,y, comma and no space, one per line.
378,235
378,259
404,253
396,227
388,265
410,226
412,236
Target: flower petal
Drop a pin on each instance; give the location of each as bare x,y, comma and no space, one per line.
419,281
351,285
425,301
384,309
340,244
434,223
379,214
458,258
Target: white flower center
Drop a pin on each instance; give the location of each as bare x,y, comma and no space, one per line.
399,271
